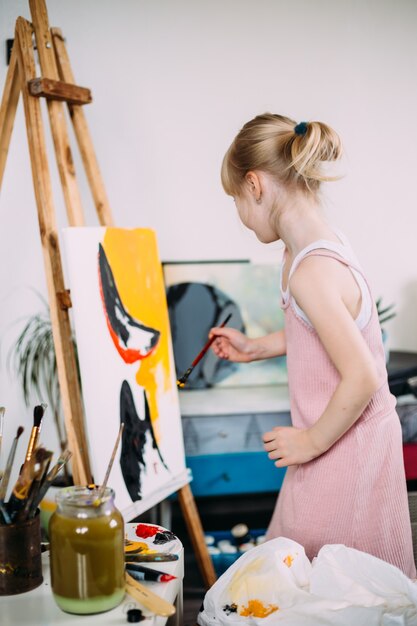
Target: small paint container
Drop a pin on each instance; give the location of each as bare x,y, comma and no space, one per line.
240,534
20,556
213,550
210,540
228,549
86,534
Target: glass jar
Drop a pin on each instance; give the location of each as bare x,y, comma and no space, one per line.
87,551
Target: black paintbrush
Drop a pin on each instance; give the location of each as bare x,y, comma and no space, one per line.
63,459
6,476
183,379
38,413
24,481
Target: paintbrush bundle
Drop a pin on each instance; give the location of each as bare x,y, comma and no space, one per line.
33,480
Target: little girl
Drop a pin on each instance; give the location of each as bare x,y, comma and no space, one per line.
345,481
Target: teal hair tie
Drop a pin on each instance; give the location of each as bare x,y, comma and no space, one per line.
301,128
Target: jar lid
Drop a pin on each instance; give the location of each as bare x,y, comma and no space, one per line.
79,496
134,615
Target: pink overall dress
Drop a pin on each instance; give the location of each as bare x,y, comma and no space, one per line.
355,493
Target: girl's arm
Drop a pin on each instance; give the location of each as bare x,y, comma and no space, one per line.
328,305
233,345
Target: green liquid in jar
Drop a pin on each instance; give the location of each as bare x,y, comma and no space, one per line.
87,561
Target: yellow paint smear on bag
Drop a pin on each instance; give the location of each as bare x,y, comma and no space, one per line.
256,608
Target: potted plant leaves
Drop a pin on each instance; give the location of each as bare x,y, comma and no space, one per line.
32,359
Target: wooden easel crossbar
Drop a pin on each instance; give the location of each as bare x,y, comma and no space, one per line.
57,86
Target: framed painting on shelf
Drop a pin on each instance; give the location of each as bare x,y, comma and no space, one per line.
200,295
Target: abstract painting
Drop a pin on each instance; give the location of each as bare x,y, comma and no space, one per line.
126,360
200,295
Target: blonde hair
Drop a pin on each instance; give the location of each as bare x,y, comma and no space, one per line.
292,154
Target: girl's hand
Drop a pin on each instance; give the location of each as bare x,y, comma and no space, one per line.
289,446
232,345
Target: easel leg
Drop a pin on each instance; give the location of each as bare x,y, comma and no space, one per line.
195,529
8,109
65,355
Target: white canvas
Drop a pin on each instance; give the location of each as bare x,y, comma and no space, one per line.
106,360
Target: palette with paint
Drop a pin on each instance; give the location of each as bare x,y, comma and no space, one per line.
150,540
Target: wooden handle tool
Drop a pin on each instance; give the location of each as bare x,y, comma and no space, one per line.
148,598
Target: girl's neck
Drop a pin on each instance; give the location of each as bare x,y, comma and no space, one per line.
300,222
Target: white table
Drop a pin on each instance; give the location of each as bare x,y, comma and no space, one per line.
38,607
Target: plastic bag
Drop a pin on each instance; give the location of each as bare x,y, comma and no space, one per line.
275,583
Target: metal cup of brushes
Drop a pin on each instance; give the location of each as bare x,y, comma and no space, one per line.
20,556
20,533
86,534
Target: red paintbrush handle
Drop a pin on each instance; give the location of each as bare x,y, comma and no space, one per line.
208,344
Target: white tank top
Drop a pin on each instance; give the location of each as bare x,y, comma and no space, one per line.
345,251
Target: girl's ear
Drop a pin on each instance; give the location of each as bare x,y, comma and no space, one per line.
253,185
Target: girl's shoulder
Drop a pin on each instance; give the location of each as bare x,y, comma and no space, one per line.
324,249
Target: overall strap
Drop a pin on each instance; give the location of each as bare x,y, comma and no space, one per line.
332,254
334,251
327,249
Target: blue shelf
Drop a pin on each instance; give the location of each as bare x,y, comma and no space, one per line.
234,473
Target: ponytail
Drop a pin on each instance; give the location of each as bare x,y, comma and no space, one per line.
294,154
319,143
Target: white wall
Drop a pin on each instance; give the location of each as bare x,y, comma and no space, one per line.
174,80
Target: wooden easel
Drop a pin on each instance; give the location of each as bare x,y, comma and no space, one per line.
58,86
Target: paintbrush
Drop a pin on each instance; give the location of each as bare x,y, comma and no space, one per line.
63,459
6,476
21,490
38,413
141,572
109,467
150,557
183,379
2,412
27,472
148,599
43,459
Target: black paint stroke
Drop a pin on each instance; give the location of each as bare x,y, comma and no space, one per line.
119,319
132,459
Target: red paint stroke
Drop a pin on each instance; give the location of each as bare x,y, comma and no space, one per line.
145,530
165,578
129,355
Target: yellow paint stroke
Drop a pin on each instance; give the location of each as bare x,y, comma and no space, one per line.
255,608
251,580
241,576
134,260
135,546
288,560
